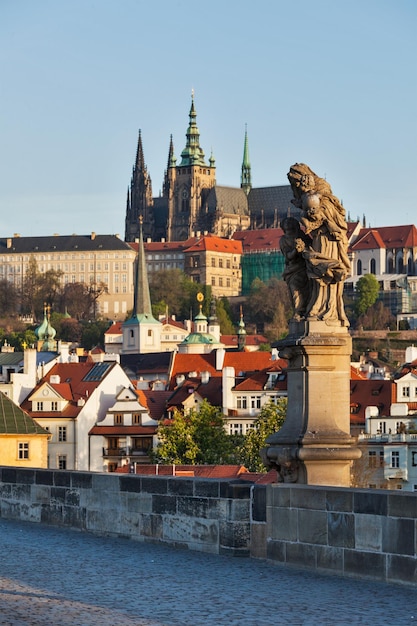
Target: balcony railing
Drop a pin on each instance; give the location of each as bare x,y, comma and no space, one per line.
125,451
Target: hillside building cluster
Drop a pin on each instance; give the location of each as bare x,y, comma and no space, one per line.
60,408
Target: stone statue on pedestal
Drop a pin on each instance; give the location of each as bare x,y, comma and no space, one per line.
314,445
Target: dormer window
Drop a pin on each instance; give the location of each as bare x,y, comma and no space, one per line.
136,418
118,419
39,406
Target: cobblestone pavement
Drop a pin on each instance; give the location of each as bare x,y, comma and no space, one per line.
68,578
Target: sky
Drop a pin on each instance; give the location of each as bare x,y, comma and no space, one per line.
329,83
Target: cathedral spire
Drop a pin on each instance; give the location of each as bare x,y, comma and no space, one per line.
245,178
192,153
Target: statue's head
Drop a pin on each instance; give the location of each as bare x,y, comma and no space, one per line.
290,226
301,178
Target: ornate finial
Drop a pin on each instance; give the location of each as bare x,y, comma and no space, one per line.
192,93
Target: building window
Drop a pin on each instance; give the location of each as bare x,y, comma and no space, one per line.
236,429
23,451
414,458
62,462
62,433
213,281
372,458
220,262
213,262
395,459
39,406
373,266
228,264
406,392
136,418
54,405
359,267
241,402
118,419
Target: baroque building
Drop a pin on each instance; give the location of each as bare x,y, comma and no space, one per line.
192,203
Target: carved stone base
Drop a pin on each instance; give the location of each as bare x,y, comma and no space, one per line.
314,445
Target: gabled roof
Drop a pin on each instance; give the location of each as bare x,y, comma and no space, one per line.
370,392
394,236
257,381
216,244
210,391
114,329
16,421
77,381
369,240
260,240
156,402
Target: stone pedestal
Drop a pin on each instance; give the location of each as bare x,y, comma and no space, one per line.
314,445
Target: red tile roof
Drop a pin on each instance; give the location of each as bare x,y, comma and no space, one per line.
370,392
368,240
259,240
394,236
72,386
216,244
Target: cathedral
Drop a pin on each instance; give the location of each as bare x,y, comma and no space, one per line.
191,202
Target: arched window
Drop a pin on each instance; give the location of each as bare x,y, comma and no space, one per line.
359,268
400,265
390,265
373,266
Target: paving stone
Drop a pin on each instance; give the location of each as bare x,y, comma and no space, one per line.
55,576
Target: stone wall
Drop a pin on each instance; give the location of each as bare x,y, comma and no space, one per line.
353,532
205,515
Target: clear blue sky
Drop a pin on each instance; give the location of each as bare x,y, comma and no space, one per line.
330,83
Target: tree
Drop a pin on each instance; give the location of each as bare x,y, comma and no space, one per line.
269,304
173,289
377,317
194,438
367,291
269,421
223,314
9,298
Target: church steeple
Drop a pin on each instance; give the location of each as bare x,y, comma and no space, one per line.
192,153
245,178
141,332
142,298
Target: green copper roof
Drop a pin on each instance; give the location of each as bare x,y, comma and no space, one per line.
192,153
199,338
13,420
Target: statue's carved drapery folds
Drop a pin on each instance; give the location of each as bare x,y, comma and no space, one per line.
317,262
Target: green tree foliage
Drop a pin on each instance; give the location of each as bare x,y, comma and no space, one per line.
39,288
367,291
9,298
269,304
173,289
196,438
269,421
223,313
93,334
377,317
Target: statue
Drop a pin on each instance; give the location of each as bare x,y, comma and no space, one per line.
322,245
293,244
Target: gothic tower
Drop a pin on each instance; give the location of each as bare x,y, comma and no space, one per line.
187,185
245,178
139,199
